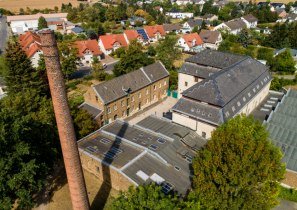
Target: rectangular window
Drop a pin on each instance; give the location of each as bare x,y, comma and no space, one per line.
244,99
196,79
147,91
238,103
155,87
160,85
165,82
108,110
97,169
123,103
139,96
147,100
132,98
186,84
115,107
249,94
96,97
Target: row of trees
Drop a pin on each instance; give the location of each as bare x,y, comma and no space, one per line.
239,168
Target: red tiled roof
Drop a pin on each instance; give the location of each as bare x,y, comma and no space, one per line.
109,40
32,50
30,43
152,30
190,37
132,34
88,45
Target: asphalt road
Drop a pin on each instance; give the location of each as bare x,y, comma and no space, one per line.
3,33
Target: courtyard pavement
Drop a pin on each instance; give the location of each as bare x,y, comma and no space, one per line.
157,110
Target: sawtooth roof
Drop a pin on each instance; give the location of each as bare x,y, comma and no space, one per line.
116,88
281,126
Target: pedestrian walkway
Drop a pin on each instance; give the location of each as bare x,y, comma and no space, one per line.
157,110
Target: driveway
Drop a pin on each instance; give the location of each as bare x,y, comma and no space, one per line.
110,63
157,110
3,33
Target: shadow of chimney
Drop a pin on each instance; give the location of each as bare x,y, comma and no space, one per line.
106,186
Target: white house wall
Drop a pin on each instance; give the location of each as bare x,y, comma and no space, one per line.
182,79
35,59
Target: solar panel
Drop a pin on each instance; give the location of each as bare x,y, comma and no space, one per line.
92,149
153,147
142,32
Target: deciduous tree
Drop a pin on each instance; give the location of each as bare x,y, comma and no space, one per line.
239,168
42,23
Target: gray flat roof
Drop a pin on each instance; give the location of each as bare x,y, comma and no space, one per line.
281,126
264,109
173,130
102,144
134,148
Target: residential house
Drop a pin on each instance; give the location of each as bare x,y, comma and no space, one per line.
277,6
77,30
232,26
155,33
219,4
190,42
293,10
172,28
154,150
250,21
293,53
131,35
179,15
109,43
23,23
281,127
211,39
183,2
124,96
263,4
222,85
291,18
281,13
210,17
200,3
31,44
263,30
136,20
87,51
190,24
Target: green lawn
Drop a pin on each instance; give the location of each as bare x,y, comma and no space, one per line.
288,194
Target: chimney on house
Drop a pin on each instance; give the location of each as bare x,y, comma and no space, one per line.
64,121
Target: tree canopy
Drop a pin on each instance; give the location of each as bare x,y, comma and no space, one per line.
42,23
19,74
283,62
133,59
239,168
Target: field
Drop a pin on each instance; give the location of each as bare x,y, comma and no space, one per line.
272,1
15,5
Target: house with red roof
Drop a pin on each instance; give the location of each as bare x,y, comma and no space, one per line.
190,42
87,50
111,42
155,33
31,44
131,35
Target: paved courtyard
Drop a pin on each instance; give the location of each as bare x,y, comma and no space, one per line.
157,110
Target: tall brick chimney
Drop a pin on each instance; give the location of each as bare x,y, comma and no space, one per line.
72,162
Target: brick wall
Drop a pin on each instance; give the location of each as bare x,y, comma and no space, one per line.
106,174
131,103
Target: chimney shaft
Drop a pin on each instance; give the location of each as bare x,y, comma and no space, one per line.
71,157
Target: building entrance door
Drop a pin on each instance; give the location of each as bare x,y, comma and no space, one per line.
128,112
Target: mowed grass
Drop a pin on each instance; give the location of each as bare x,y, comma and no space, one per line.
15,5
